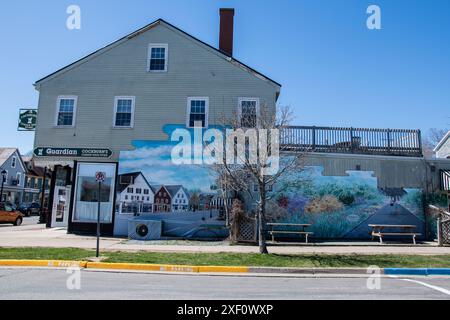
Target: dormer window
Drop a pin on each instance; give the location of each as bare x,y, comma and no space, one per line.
157,57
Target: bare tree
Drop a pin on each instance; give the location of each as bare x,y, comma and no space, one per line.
264,137
431,140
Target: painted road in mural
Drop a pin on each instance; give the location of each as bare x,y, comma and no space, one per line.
337,207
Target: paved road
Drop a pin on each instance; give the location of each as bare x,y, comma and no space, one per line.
51,284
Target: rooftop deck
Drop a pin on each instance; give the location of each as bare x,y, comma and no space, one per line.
391,142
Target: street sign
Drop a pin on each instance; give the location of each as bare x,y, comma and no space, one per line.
100,176
72,152
27,120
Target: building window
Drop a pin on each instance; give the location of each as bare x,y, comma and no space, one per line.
138,190
66,110
13,162
157,57
197,111
126,197
248,112
130,190
124,112
18,176
146,191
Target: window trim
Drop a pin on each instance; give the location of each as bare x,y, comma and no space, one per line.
133,103
188,111
58,104
149,55
239,111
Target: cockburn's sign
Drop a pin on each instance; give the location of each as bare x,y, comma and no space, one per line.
72,152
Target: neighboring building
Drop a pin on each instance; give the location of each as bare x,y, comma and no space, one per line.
134,194
34,183
130,90
13,187
442,150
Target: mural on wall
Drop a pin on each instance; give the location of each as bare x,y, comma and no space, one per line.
344,206
150,185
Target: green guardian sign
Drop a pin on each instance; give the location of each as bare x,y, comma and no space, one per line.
27,120
72,152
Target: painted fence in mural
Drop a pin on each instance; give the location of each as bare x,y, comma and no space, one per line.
337,207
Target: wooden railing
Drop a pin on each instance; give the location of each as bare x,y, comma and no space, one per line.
393,142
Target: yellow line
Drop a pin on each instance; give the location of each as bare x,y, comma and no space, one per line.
142,267
123,266
43,263
223,269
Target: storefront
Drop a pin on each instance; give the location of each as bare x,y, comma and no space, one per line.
74,193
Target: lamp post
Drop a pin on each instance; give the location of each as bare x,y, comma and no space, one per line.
3,182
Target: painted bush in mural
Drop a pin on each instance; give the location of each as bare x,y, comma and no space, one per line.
343,207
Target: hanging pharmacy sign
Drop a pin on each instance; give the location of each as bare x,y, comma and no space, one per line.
27,120
72,152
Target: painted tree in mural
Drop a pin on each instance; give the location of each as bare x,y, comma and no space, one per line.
257,165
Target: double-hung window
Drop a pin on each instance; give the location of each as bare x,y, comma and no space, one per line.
124,112
248,111
157,57
197,112
66,111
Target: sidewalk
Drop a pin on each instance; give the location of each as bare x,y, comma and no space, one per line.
39,236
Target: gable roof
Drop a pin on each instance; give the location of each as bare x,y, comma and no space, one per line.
441,143
6,153
146,28
173,190
133,175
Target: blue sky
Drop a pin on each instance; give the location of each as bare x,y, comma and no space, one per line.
334,71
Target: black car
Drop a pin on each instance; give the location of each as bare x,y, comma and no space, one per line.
29,209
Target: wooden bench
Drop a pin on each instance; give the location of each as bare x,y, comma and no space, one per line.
404,230
301,230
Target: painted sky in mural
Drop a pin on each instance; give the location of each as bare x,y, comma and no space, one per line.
153,159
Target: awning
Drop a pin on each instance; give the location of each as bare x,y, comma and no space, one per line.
445,180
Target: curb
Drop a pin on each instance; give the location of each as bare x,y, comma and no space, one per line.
43,263
219,269
417,271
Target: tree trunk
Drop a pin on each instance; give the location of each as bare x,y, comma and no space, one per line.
262,220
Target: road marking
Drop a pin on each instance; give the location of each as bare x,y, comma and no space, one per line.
442,290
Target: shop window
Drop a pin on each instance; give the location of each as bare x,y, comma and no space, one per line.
66,110
124,112
87,195
157,57
197,112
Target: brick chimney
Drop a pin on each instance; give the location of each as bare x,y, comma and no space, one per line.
226,31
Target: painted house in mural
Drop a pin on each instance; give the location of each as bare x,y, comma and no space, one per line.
14,175
134,194
130,90
171,199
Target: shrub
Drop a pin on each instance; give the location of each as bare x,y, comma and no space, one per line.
324,204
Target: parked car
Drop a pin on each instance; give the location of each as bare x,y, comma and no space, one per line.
30,208
9,215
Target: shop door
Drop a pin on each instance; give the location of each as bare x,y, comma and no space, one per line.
60,212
